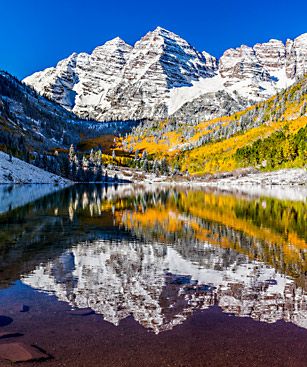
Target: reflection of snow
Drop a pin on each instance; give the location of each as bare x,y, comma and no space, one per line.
119,279
293,193
14,196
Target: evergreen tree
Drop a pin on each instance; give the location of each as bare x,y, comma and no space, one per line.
145,165
92,157
144,155
98,158
85,162
156,167
71,153
164,167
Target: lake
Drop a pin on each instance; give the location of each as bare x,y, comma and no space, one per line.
136,275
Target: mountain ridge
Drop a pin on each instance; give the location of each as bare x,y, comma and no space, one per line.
162,72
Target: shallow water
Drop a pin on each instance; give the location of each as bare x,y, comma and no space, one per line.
128,276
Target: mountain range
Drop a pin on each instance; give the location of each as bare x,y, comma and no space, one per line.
163,75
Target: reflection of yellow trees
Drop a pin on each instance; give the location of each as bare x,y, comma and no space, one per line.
224,209
197,215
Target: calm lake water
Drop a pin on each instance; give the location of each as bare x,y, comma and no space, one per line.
127,276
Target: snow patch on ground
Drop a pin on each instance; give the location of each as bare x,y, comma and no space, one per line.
179,96
18,171
285,184
292,193
282,177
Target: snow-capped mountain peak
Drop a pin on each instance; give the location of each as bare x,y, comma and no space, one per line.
162,74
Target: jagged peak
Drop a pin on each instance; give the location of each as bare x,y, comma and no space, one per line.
159,31
270,41
113,44
117,41
274,40
71,59
302,38
246,50
207,55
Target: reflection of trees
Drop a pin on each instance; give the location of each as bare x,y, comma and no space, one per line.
43,229
212,233
274,234
272,231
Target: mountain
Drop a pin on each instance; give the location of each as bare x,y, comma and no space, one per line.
25,115
32,122
163,75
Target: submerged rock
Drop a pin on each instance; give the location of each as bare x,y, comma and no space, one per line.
5,320
9,334
20,352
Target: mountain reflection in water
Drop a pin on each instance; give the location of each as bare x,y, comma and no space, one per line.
162,253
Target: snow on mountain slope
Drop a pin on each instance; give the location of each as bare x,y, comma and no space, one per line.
17,171
118,81
82,80
162,73
158,62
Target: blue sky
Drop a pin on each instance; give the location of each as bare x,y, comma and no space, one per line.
38,33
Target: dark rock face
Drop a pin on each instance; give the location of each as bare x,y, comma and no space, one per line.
215,104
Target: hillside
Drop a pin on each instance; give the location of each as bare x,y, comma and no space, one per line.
26,118
40,131
268,135
14,170
29,121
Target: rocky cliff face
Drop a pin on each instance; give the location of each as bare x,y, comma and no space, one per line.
163,73
81,82
210,104
296,63
158,62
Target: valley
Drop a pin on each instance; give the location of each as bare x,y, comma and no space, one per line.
153,184
162,108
